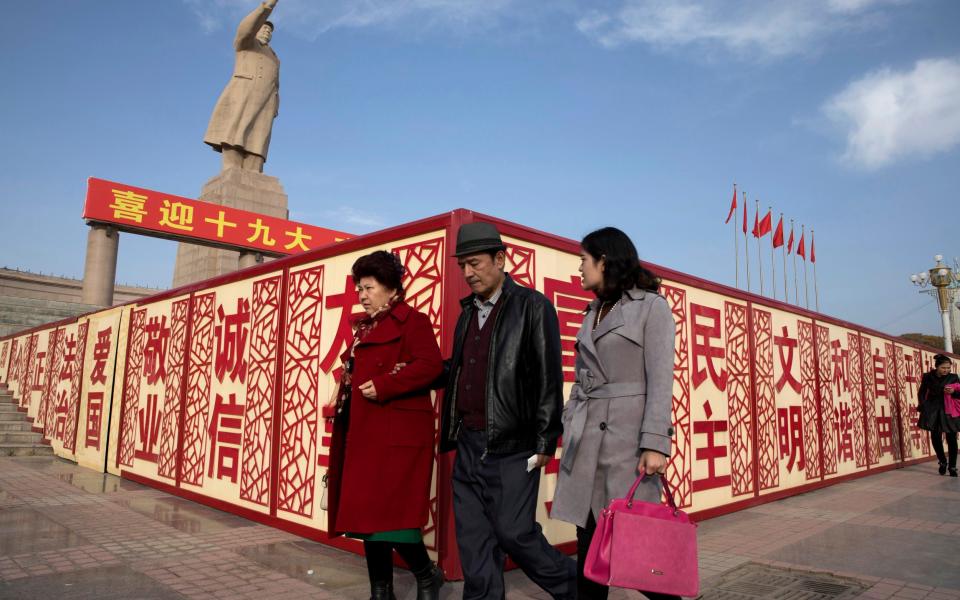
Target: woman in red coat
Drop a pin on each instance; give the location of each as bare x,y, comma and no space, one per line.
381,457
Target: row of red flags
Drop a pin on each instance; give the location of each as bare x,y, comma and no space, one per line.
762,227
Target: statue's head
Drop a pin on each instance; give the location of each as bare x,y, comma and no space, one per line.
265,33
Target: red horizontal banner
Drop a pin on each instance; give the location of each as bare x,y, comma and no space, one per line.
164,215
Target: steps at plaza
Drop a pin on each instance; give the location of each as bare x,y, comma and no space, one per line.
17,437
17,314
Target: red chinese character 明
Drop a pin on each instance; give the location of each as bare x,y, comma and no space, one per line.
231,334
155,349
790,424
703,349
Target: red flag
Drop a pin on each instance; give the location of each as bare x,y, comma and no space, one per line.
766,224
790,242
744,218
733,204
813,250
800,248
778,234
756,224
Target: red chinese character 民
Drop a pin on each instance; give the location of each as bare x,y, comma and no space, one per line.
94,408
155,349
711,451
569,298
101,352
785,348
149,420
702,348
231,334
226,428
790,425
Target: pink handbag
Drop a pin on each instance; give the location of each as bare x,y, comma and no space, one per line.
950,404
645,546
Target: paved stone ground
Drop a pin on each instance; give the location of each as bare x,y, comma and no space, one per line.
67,532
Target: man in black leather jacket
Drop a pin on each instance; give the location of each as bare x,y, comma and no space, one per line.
502,406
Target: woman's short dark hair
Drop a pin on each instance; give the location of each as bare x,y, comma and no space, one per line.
622,268
940,359
383,266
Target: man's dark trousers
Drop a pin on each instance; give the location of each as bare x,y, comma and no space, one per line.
495,506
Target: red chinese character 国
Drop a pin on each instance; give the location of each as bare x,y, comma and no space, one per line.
94,408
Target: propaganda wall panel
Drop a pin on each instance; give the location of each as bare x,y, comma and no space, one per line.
96,394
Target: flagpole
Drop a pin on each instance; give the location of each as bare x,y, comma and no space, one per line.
816,291
796,288
786,293
759,256
773,263
736,245
746,245
806,285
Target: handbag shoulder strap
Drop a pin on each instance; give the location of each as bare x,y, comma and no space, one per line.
666,488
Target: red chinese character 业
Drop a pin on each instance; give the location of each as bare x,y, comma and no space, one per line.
148,419
231,334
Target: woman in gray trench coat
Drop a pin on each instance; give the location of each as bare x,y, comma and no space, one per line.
617,420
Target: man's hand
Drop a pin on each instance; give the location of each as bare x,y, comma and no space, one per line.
542,460
652,462
368,390
270,3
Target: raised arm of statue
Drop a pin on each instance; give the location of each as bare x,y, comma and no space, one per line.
251,24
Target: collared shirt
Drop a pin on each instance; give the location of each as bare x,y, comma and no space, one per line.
485,307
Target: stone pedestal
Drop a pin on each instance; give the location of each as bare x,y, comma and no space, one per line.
100,269
237,188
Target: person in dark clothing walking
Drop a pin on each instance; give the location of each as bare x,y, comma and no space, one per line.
503,399
934,416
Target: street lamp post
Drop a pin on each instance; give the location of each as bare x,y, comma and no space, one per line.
944,281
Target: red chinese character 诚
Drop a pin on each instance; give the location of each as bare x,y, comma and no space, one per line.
231,334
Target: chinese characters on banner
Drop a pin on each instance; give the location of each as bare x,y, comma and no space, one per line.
165,215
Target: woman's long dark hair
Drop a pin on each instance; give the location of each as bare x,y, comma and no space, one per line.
622,268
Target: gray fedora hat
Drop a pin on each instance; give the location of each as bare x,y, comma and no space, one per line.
473,238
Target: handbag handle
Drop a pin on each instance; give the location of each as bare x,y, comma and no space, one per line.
666,488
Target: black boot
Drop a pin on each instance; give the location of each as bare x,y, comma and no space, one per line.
943,468
381,590
429,581
953,472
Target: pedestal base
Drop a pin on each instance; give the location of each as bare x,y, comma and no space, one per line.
237,188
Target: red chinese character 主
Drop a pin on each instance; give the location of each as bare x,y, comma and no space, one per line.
231,334
155,349
569,298
703,349
94,408
785,348
790,425
226,429
101,352
711,451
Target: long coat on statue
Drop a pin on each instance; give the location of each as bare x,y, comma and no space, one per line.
381,456
620,404
244,114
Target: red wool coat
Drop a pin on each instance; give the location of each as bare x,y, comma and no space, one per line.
381,456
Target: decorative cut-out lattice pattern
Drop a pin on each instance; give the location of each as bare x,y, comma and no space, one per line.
258,413
679,472
740,415
197,405
766,402
808,393
298,410
173,390
131,390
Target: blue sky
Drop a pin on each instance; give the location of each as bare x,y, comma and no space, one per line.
564,115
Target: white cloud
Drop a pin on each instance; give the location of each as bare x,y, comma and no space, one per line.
310,18
889,115
755,29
